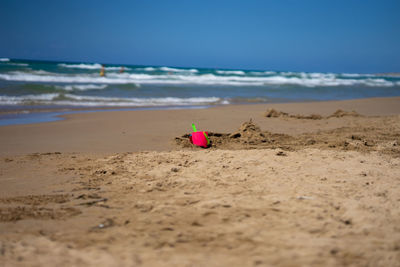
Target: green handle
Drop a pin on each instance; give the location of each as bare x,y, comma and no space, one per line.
208,140
194,127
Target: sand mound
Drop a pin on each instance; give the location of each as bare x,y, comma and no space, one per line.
309,117
272,113
340,113
250,132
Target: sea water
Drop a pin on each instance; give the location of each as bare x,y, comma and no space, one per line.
31,84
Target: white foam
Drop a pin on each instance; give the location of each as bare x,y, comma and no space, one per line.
300,79
269,72
352,75
30,77
234,72
81,66
76,100
117,68
318,75
13,100
288,73
356,75
168,69
262,72
145,69
83,87
39,72
95,66
160,101
4,59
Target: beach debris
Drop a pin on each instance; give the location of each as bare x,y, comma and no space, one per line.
144,207
346,221
199,138
258,262
86,196
304,198
196,223
100,172
235,135
310,142
356,137
281,153
368,143
272,113
334,251
93,202
105,224
393,143
174,169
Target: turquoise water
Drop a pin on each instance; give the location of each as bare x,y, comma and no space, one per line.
33,84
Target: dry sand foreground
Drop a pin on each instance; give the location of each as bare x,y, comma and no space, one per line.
321,191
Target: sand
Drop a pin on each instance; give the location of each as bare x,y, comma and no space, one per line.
288,190
123,131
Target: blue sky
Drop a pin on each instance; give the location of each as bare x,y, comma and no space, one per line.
298,35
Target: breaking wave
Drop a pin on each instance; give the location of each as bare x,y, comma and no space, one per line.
78,100
148,69
168,69
234,72
298,79
95,66
84,87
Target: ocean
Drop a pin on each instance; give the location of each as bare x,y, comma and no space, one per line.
37,84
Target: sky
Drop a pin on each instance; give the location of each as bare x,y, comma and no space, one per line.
361,36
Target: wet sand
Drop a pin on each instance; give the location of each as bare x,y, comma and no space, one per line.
128,189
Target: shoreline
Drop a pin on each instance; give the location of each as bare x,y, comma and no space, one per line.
36,116
32,115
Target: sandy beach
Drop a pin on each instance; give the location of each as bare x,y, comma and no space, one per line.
296,184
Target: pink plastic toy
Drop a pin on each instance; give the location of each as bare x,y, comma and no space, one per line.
199,138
